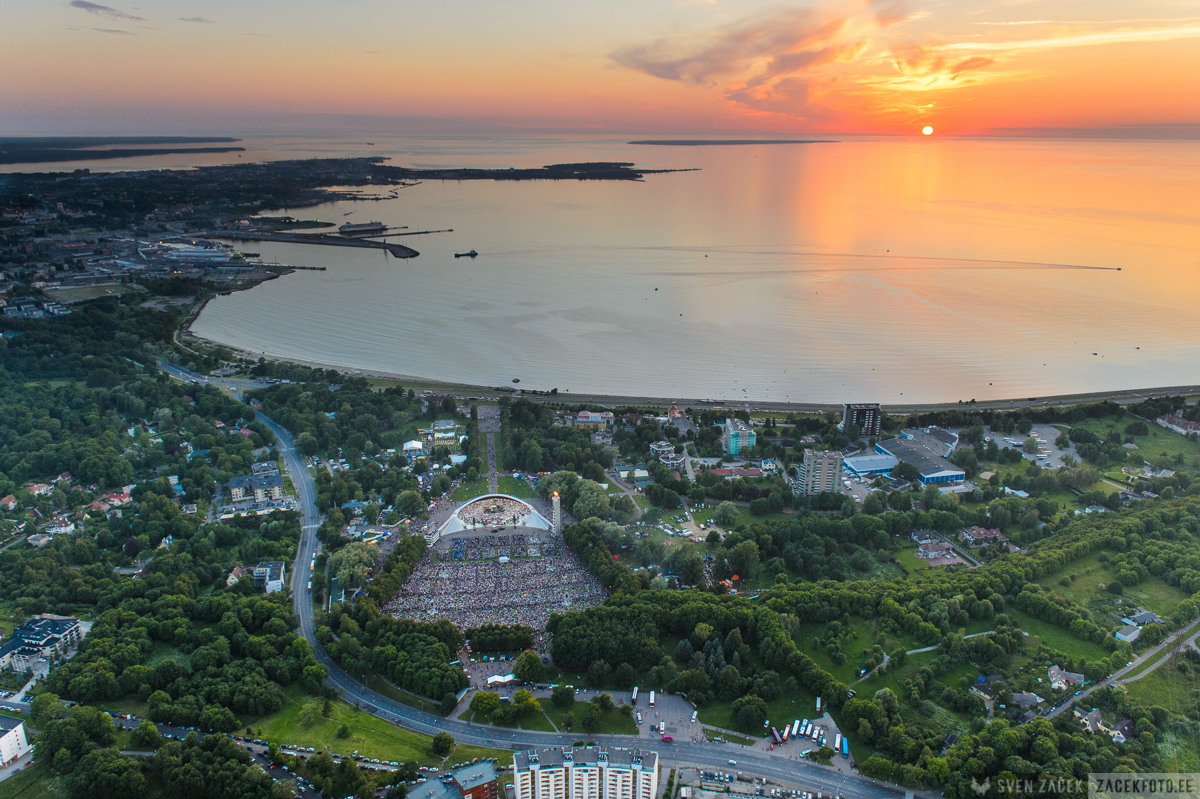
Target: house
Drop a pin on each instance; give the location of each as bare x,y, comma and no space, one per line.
602,438
476,781
934,549
117,500
42,636
984,689
261,487
14,744
974,536
1091,722
39,489
38,540
235,574
1026,700
270,576
591,419
99,506
1129,633
1062,680
9,503
1144,617
1123,730
922,536
729,474
1178,424
59,526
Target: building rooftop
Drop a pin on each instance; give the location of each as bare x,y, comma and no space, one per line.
478,774
552,758
911,452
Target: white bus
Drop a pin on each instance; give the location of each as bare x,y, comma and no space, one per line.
694,712
651,699
818,704
634,700
837,742
796,729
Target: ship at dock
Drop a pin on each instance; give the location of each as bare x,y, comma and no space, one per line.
362,229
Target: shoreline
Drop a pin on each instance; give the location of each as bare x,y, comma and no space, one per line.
1120,396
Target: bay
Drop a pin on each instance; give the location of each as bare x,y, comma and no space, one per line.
862,270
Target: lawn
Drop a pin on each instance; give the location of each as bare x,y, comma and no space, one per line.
1055,637
86,293
469,489
38,781
1170,688
909,560
382,686
611,723
371,736
740,740
800,705
513,487
1160,444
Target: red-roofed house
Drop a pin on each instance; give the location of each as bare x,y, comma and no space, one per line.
218,424
246,431
728,473
99,506
981,535
9,502
39,489
117,500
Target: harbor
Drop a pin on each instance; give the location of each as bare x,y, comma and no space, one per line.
397,250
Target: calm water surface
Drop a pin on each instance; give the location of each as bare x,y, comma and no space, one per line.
893,271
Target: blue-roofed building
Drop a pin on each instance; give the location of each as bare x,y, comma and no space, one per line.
933,469
42,636
863,465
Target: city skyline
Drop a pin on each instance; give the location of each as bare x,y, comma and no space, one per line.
846,66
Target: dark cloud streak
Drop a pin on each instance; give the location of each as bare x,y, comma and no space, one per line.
104,11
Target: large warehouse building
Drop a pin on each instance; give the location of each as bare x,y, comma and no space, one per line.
932,468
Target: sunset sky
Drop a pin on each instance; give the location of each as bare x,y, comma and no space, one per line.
704,66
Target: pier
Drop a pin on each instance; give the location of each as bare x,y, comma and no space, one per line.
398,250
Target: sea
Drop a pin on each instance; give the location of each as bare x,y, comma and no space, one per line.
891,270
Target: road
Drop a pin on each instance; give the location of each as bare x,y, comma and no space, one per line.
1115,677
711,756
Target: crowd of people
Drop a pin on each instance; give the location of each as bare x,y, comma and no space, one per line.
472,593
485,547
494,512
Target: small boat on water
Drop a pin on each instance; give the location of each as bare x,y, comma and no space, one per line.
470,254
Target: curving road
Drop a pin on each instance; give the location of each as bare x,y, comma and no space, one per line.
674,754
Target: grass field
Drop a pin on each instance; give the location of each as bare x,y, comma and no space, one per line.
469,488
1170,688
788,708
909,560
1088,589
380,685
87,293
611,723
513,487
38,781
1055,637
371,736
1159,444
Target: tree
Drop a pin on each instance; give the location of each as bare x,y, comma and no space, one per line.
145,737
443,744
524,704
599,673
603,701
485,703
309,714
726,514
562,696
1030,445
749,712
591,718
528,667
344,731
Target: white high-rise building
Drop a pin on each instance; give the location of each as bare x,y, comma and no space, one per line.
820,471
585,773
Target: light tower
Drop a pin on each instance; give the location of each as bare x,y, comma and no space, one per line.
557,513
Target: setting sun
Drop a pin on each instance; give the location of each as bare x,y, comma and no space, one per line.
928,129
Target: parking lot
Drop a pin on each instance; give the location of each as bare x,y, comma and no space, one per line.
1049,455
